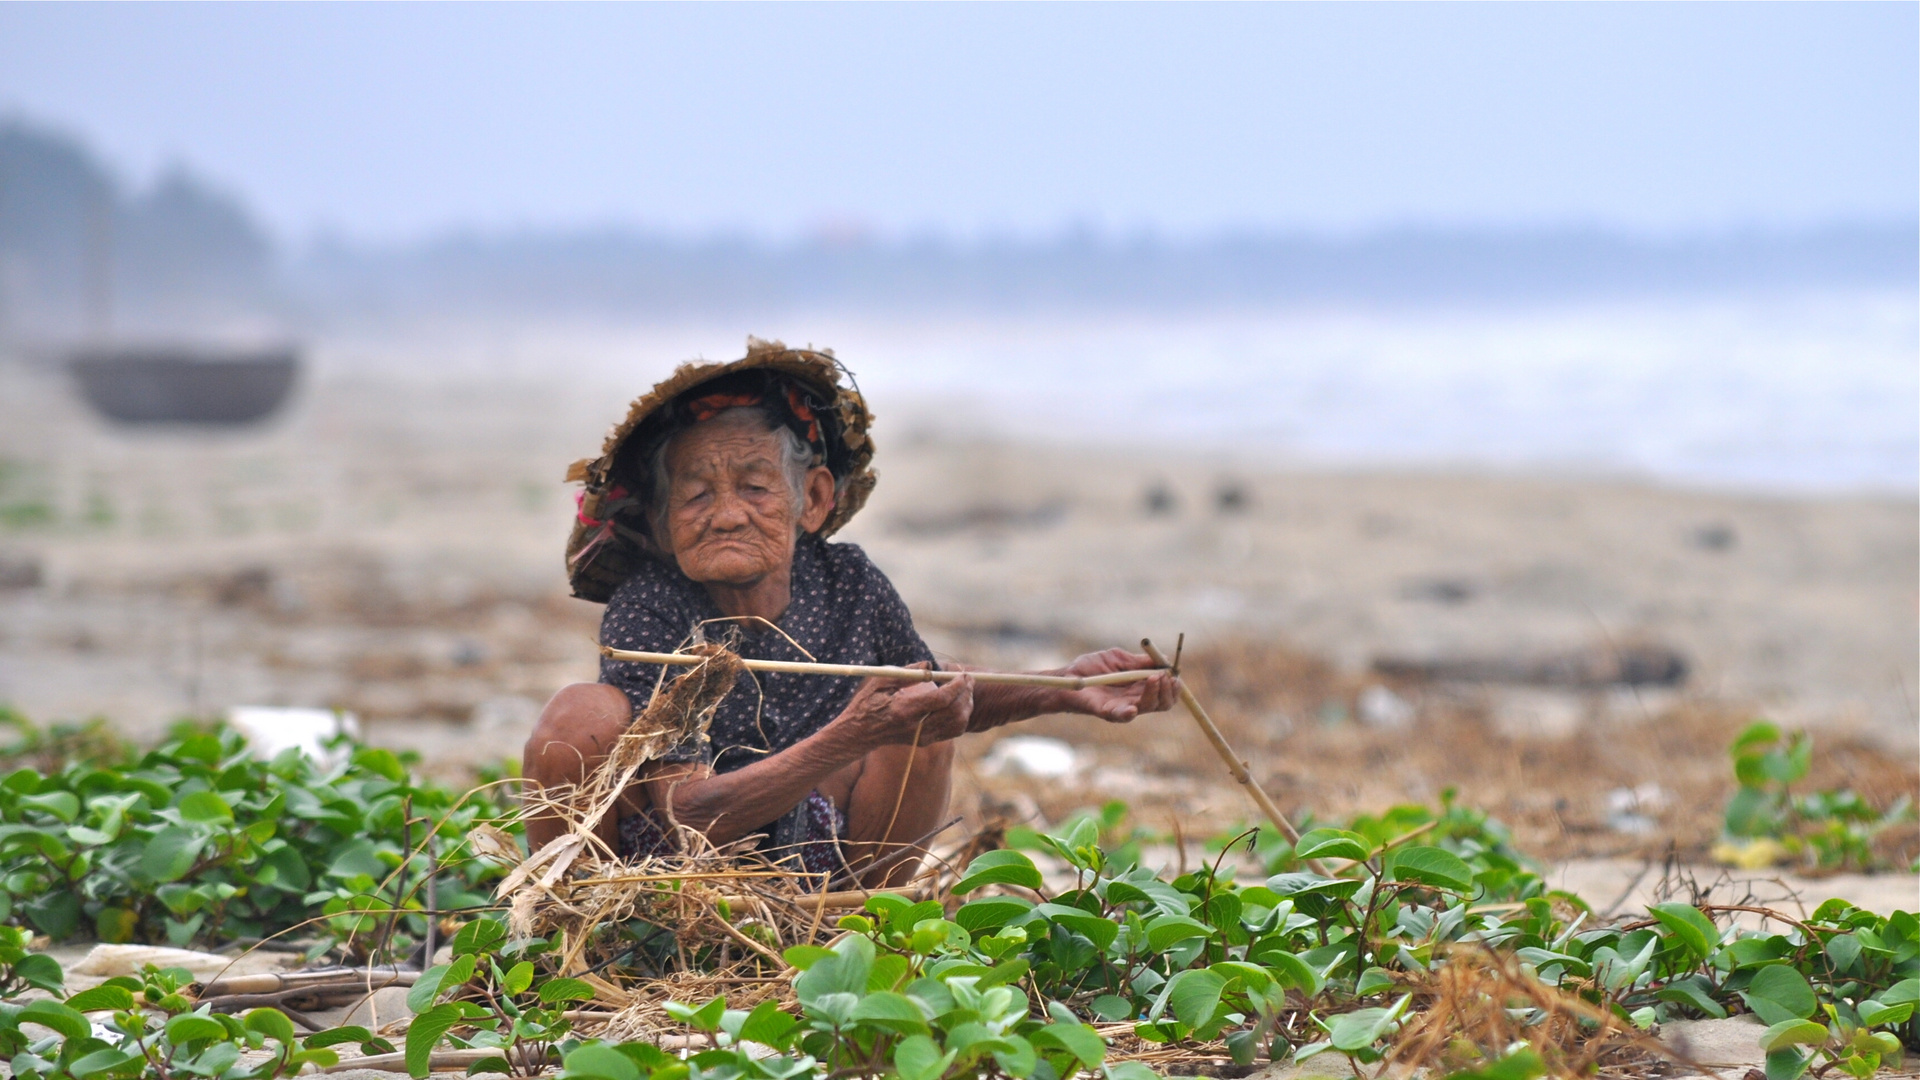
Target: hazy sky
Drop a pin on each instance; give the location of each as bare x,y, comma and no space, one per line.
392,122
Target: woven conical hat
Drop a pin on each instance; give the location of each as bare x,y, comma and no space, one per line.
610,532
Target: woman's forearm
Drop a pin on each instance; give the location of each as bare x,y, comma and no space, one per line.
728,806
997,704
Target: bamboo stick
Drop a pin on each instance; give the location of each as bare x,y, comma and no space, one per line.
1234,765
800,667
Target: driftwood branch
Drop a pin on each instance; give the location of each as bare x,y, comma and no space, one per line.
338,981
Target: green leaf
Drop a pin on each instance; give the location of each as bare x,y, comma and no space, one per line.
1242,1047
836,1008
1373,981
290,870
555,991
171,853
844,972
1688,925
1100,931
1166,931
336,1036
495,1064
479,936
1194,994
115,925
1432,866
100,1061
704,1018
802,957
1750,813
1906,991
768,1025
272,1023
919,1058
59,1017
64,805
1523,1064
426,988
599,1060
891,1012
57,914
193,1027
1757,735
1312,894
1779,993
1695,992
1019,1059
1361,1028
990,913
889,971
1880,1014
428,1028
1792,1033
1787,1064
1333,844
1001,867
1291,972
382,762
1077,1039
102,999
518,977
1001,974
1358,1029
181,899
1130,1070
1844,951
205,806
41,972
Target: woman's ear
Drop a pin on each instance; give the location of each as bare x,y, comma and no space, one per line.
820,499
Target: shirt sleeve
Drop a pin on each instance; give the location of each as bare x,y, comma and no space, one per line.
641,618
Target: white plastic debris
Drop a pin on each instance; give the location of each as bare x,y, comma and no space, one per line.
107,961
1036,756
1630,810
1380,707
271,729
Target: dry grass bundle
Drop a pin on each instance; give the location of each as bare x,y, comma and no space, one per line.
1479,1005
723,915
680,710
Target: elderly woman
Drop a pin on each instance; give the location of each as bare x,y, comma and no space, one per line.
706,518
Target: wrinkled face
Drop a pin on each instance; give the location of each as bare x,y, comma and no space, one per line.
730,512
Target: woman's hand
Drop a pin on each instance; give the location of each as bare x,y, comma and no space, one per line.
1121,703
888,712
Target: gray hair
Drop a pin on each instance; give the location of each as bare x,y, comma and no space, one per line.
796,459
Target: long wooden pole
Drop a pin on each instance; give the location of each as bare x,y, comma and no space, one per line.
906,674
1234,765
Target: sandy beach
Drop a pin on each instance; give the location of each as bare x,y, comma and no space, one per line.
392,547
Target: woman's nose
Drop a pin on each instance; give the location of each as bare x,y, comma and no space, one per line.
729,511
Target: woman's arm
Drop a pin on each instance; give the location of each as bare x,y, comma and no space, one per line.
728,806
995,704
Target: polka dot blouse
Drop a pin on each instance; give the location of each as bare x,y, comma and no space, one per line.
843,611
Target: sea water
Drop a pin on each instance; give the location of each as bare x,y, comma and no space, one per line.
1810,392
1817,393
